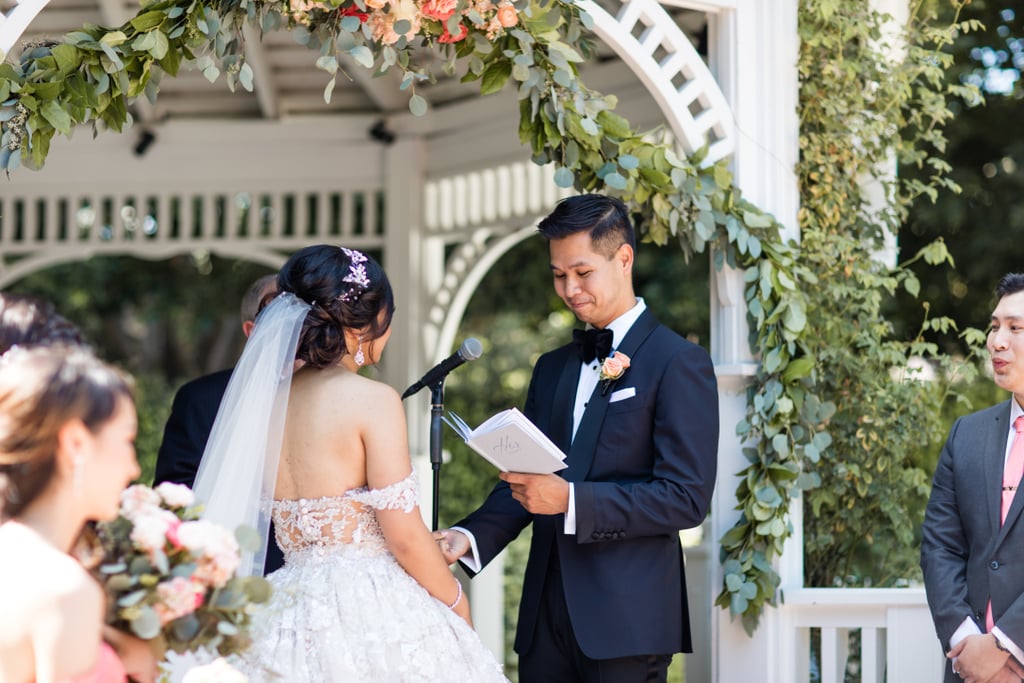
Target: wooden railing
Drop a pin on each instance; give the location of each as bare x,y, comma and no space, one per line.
876,635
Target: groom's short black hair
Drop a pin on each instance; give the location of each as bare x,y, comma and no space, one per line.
605,218
1011,283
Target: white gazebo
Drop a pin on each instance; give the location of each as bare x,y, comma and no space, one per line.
442,196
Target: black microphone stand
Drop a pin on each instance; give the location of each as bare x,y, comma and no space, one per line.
436,408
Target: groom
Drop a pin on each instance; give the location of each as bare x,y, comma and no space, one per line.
604,596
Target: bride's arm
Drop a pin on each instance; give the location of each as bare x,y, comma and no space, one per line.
408,539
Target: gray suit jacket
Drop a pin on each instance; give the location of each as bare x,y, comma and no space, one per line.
967,558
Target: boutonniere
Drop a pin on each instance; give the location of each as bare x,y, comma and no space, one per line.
613,368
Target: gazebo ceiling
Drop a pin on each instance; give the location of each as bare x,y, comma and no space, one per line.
287,83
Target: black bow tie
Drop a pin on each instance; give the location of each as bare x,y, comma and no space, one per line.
592,343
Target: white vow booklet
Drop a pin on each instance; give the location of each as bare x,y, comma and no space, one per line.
510,442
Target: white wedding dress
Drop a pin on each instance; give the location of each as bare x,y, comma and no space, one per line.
344,610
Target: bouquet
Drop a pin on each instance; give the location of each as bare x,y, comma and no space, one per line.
170,576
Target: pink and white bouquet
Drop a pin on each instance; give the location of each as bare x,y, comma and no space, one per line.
170,576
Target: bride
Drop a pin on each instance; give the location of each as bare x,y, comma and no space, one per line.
364,594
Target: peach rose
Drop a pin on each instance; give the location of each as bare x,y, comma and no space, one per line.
507,16
614,366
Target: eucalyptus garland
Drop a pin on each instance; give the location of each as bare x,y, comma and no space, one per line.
92,75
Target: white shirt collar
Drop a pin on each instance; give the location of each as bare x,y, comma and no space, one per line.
620,326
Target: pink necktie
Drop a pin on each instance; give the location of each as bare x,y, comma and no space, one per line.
1011,479
1014,468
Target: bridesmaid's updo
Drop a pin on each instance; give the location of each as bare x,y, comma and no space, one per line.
41,390
346,289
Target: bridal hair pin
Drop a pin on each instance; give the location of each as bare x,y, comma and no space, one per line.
356,275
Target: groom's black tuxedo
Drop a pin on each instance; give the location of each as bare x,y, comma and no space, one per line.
188,428
643,465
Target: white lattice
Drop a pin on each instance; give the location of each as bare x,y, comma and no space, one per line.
647,39
16,20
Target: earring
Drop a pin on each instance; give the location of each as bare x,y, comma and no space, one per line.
359,358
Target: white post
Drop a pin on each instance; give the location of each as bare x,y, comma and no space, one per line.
755,47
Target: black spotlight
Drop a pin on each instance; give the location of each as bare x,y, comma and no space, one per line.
380,133
146,139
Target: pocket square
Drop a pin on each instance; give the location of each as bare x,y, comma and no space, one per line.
622,394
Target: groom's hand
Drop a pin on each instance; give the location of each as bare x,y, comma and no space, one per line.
541,494
453,544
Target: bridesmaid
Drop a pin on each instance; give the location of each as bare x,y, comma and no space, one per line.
67,432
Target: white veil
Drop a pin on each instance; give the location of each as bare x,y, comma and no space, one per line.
238,472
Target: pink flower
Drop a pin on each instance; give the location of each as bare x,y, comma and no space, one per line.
614,366
438,9
447,37
507,15
172,535
150,530
178,597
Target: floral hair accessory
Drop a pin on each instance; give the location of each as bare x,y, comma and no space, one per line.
612,368
357,276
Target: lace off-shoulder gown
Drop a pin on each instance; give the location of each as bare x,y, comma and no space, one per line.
343,609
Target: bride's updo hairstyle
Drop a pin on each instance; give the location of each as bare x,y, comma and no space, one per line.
41,390
346,289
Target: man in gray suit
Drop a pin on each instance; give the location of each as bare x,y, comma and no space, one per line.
972,550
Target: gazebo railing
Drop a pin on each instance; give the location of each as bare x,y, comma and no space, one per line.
879,634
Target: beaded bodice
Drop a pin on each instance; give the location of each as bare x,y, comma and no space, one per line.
324,524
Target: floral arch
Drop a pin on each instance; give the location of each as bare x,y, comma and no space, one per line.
92,75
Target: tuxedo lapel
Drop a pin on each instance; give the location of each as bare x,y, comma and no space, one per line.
564,399
581,454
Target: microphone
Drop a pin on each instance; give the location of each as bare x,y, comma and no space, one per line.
471,349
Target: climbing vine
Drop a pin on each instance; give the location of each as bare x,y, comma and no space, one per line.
91,76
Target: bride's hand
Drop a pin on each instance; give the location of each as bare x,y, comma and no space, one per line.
453,544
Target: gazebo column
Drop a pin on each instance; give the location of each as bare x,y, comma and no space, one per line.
756,47
407,266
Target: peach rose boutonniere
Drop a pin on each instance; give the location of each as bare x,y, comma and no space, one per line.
613,368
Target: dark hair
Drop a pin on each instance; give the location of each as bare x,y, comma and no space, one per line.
1011,283
41,390
317,275
25,321
605,218
259,294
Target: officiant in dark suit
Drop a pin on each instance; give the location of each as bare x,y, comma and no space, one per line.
972,547
195,408
635,408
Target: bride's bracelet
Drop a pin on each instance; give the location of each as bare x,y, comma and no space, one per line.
458,596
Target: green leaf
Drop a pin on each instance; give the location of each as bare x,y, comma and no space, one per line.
160,45
146,624
362,55
616,181
113,38
495,76
564,177
328,91
417,105
147,21
56,116
614,125
245,76
68,58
